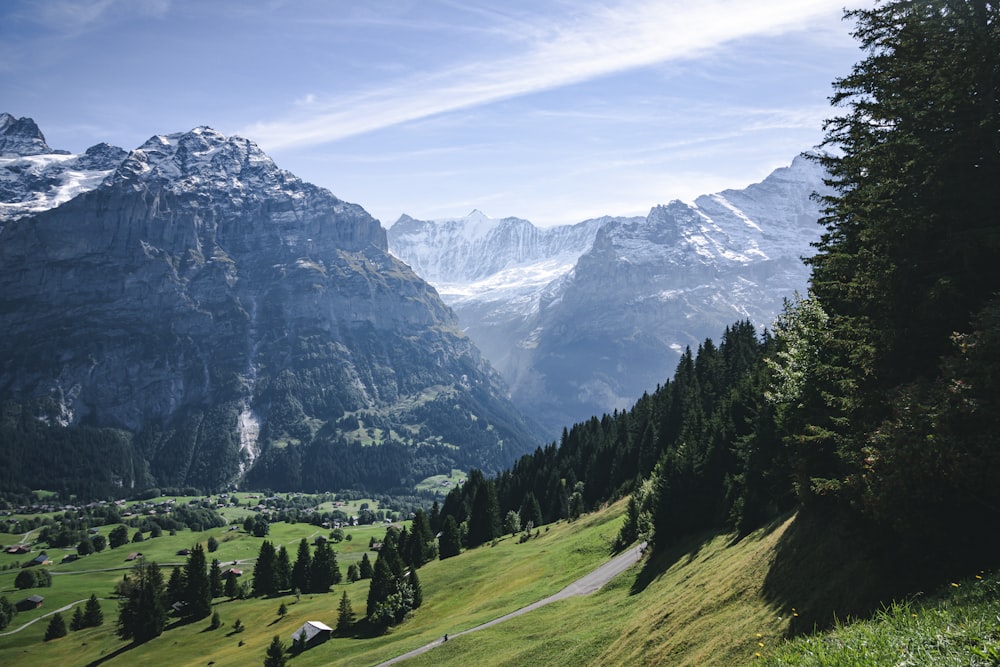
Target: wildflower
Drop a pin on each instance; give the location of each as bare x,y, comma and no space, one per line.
760,644
954,585
757,654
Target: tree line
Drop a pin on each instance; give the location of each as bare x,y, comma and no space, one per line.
873,398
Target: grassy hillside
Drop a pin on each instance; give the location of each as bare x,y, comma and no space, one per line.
711,600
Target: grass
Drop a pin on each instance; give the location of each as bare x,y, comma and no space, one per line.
709,600
458,593
959,626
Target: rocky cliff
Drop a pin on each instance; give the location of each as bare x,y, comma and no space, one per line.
239,323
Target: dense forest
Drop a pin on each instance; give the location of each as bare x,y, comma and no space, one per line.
872,401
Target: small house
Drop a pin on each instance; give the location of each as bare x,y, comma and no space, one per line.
232,572
313,632
134,555
40,559
30,602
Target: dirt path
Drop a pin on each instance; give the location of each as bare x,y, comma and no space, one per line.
582,586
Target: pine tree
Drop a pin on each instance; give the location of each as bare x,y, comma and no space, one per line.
56,627
263,573
302,567
76,623
275,656
418,592
382,584
345,615
215,578
199,586
142,614
484,520
282,570
232,586
365,569
176,585
909,255
92,614
450,542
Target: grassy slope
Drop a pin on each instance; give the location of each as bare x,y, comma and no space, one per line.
708,601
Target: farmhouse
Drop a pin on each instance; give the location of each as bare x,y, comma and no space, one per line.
30,602
40,559
313,632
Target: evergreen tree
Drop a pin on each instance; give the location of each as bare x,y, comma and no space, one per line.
907,267
324,571
302,567
92,614
275,655
365,569
353,573
531,511
263,573
418,592
232,586
76,623
56,627
345,615
382,584
484,520
282,570
450,542
142,614
215,578
176,585
199,585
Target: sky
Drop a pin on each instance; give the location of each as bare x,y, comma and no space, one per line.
556,111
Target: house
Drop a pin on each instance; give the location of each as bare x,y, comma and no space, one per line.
30,602
232,572
18,549
40,559
184,552
314,632
134,555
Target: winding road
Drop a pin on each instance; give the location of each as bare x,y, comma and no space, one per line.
582,586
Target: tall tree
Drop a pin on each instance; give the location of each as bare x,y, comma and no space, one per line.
199,585
263,572
345,615
282,570
275,655
302,567
909,255
142,614
484,520
56,627
92,614
215,578
450,542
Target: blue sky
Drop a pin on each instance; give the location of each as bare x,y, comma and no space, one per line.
554,111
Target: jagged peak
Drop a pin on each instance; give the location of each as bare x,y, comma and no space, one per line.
186,160
21,136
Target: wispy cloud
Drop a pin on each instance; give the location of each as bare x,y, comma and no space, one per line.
603,40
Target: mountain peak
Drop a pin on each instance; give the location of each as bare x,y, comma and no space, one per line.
21,136
201,157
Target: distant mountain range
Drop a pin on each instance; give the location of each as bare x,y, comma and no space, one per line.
189,314
582,319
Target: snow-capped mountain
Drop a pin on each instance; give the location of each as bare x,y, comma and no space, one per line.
586,329
217,318
34,177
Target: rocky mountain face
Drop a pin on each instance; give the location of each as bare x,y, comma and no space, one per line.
583,327
229,321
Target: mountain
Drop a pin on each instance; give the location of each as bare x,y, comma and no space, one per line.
215,318
582,319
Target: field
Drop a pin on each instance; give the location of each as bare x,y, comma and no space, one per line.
458,593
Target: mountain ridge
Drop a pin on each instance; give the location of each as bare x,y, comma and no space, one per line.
237,321
588,331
